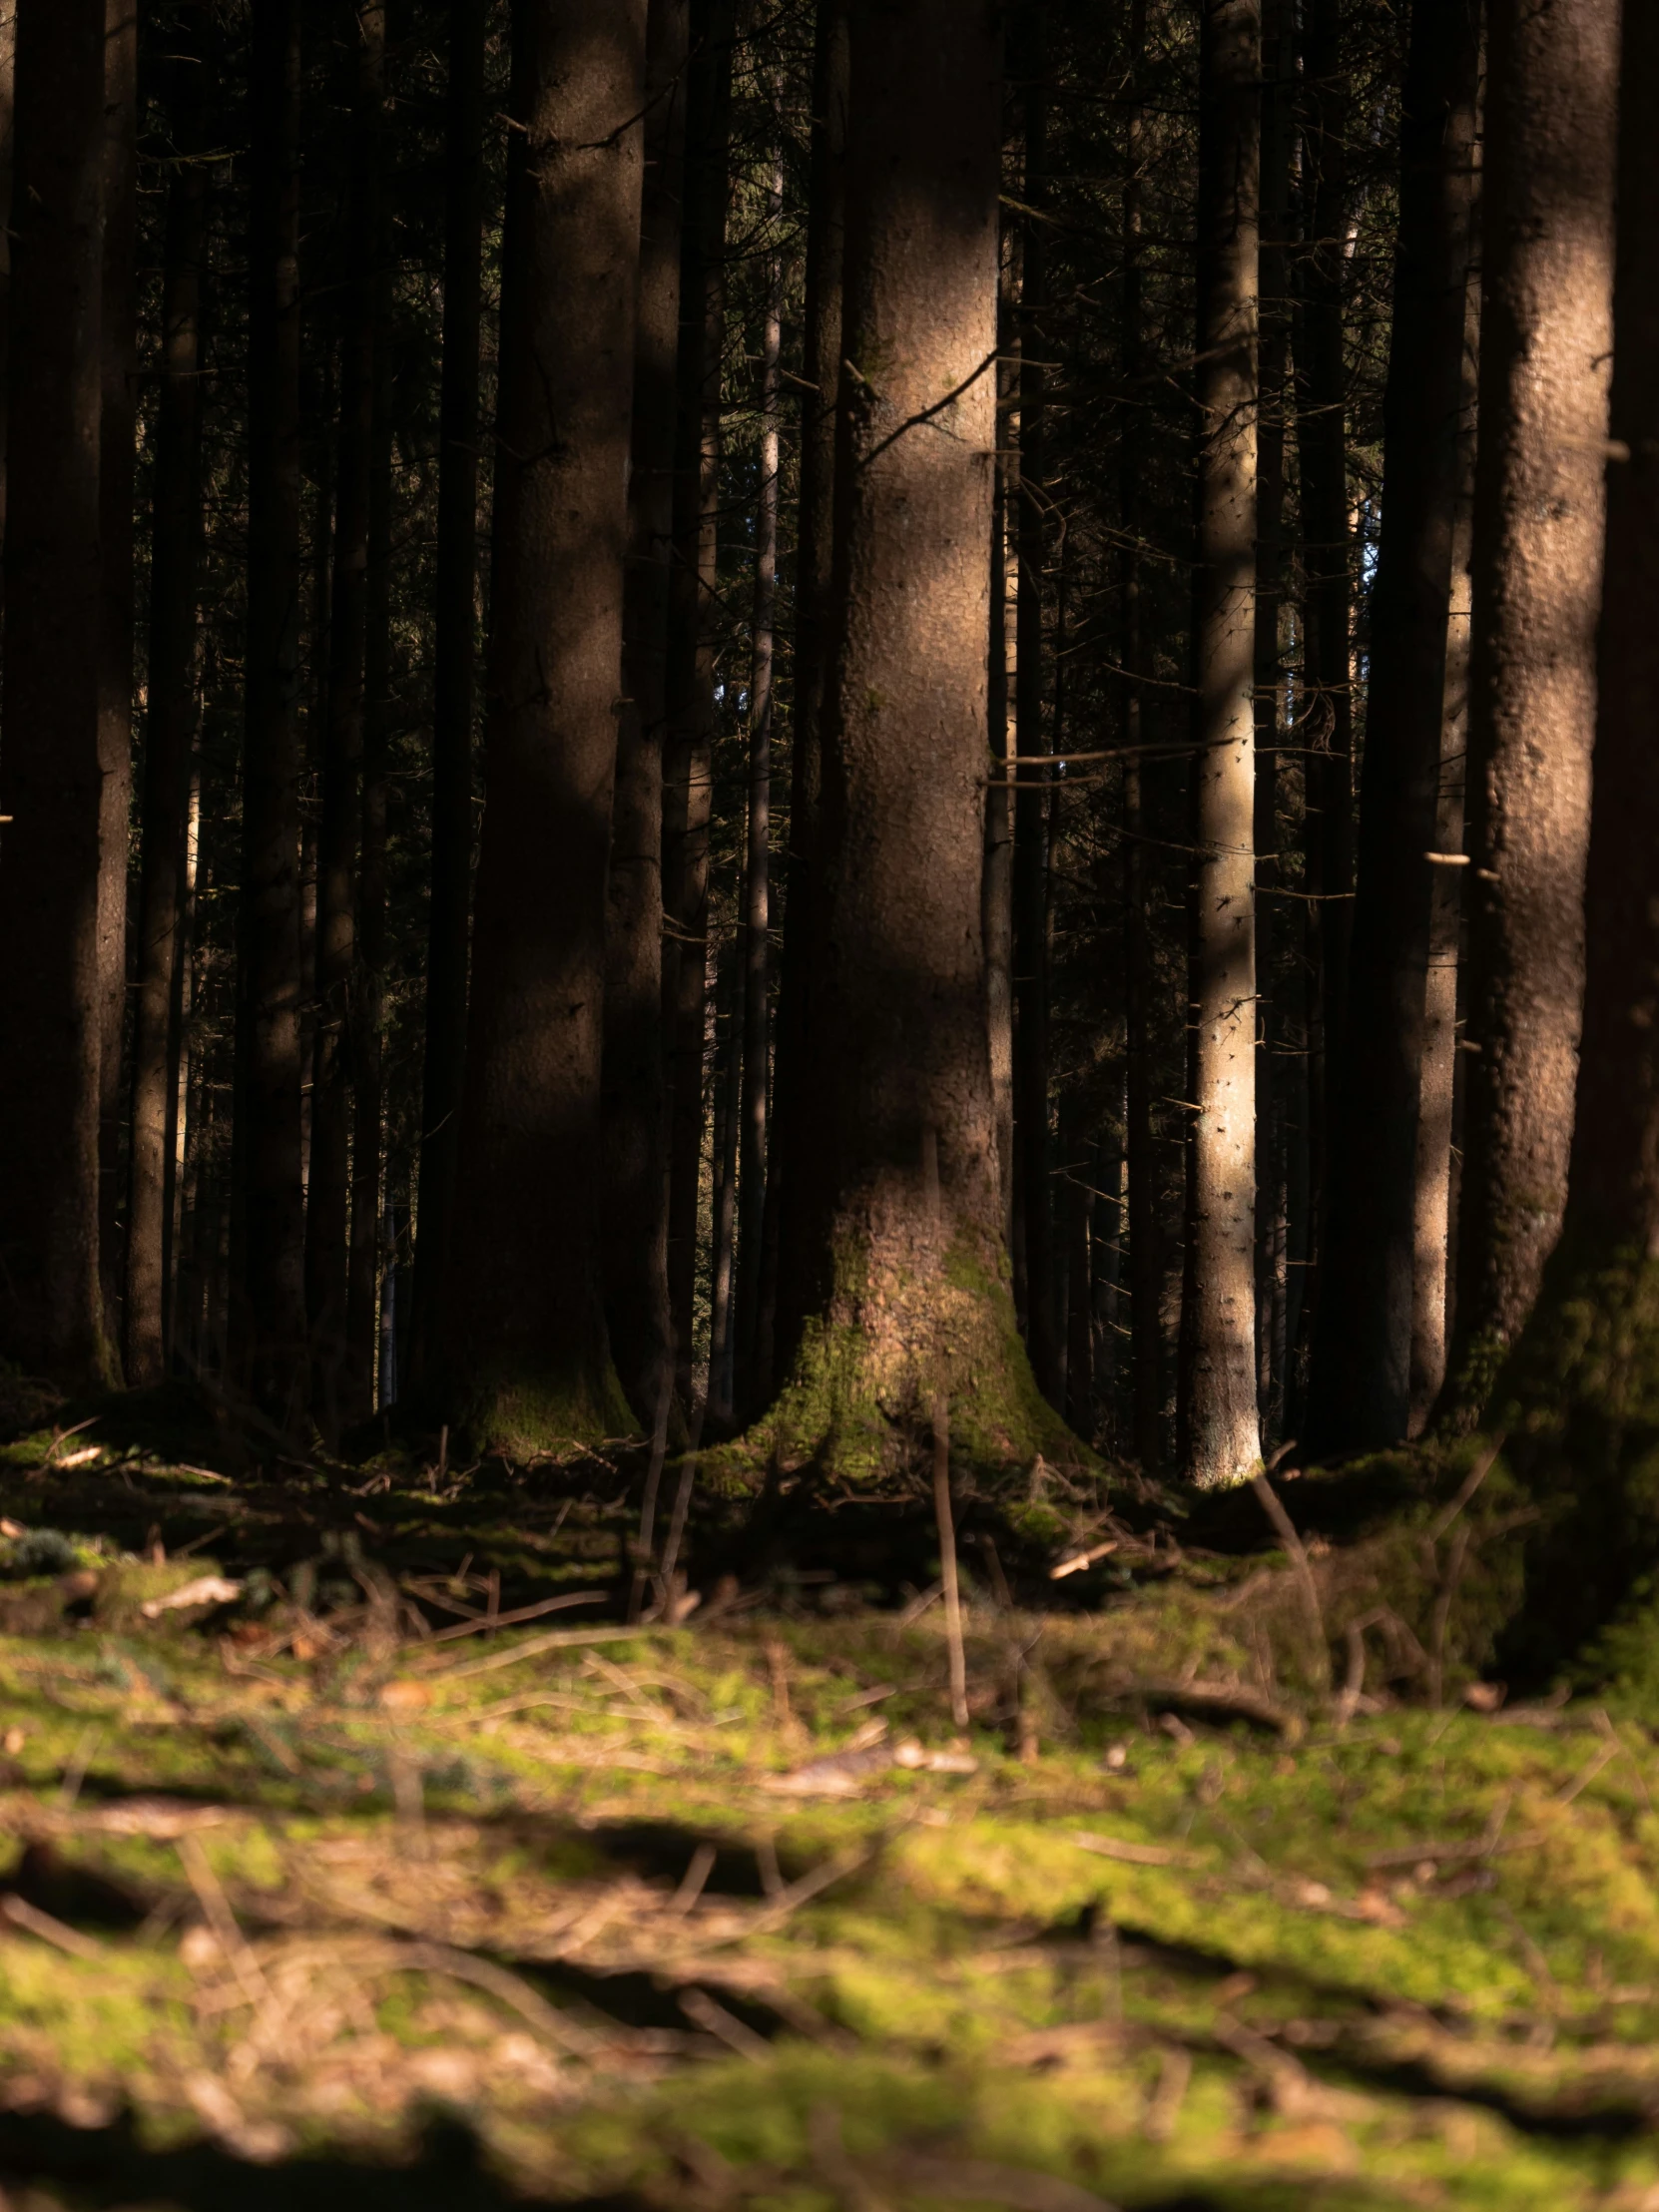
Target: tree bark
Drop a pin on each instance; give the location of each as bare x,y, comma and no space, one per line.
8,140
902,1208
815,540
1220,1421
52,1317
1361,1390
327,1211
455,626
1032,1143
688,775
176,534
268,1267
636,1181
1546,341
114,683
757,889
524,1324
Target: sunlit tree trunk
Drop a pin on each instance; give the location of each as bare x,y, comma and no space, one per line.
1546,348
52,1317
1220,1419
523,1316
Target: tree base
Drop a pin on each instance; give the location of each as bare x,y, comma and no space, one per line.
524,1418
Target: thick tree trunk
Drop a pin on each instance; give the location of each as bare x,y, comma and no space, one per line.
8,135
757,887
1327,714
900,1204
524,1325
1586,1425
1546,344
688,772
52,1317
1362,1376
328,1201
636,1181
815,539
455,625
1146,1256
267,1265
1033,1144
115,679
1220,1418
1437,1113
176,532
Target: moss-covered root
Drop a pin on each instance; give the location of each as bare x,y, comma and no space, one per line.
859,1399
526,1416
1579,1403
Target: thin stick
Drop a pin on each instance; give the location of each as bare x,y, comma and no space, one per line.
1285,1527
1471,1482
682,1506
653,1484
947,1561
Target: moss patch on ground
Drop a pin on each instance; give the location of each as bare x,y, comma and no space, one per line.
1244,1888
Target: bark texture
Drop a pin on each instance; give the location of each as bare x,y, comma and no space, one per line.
51,1301
1361,1391
908,1293
524,1325
1220,1419
175,547
635,1180
455,626
1547,345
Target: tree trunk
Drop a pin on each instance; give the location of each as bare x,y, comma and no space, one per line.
455,625
1545,364
815,537
1585,1373
52,1317
689,786
1145,1257
1362,1376
1032,1145
268,1269
997,903
1220,1421
176,533
636,1183
357,1397
1434,1204
901,1211
723,1205
8,137
328,1206
1327,714
757,889
114,680
524,1324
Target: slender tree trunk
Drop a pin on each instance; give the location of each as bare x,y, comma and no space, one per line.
524,1321
1362,1376
996,906
814,535
757,939
1277,146
902,1211
1434,1202
267,1266
1546,342
455,624
1220,1421
8,136
52,1315
723,1240
176,532
1032,1145
1145,1257
1328,713
636,1188
369,1010
1584,1371
114,680
688,776
329,1207
184,1107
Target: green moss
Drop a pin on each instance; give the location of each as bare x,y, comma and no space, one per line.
543,1416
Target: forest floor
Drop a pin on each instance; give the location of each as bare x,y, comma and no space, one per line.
306,1895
